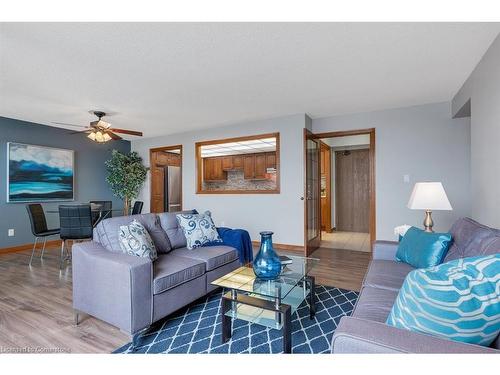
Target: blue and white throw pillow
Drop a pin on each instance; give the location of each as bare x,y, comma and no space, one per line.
199,229
458,300
135,240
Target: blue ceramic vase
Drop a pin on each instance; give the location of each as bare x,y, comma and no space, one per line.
267,264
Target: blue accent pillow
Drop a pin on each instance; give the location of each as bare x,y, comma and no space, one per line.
458,300
422,249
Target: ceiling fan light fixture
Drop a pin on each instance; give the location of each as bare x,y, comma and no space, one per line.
99,137
91,136
107,137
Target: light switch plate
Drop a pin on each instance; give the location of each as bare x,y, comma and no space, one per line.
406,178
11,232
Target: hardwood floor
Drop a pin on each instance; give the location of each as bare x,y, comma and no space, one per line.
340,268
36,309
36,303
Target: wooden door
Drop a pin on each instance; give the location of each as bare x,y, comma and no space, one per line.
157,189
312,192
260,166
249,166
352,170
326,202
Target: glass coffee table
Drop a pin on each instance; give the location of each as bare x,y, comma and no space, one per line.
269,303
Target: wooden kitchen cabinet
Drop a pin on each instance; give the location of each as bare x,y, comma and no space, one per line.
260,166
227,163
249,166
271,160
237,162
213,169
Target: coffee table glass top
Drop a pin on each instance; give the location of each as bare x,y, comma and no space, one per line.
243,279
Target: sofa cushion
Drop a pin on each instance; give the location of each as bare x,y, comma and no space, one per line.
386,274
108,231
169,224
170,271
213,256
468,236
374,304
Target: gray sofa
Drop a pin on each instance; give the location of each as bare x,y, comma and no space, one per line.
365,330
132,293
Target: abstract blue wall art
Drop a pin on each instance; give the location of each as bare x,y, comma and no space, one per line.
38,173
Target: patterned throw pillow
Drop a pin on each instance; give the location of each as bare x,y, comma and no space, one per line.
199,229
458,300
135,240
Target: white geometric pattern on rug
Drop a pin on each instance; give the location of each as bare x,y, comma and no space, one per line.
197,329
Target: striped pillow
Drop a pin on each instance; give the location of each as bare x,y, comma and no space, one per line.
458,300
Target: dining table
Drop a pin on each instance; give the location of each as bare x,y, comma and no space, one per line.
96,209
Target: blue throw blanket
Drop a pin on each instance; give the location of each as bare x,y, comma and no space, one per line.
237,238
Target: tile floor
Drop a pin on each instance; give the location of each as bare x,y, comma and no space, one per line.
346,240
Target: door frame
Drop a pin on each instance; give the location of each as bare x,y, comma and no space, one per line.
159,149
371,132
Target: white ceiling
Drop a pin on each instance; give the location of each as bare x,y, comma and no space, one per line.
166,78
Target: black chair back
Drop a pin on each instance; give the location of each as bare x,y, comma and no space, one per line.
76,222
137,207
37,218
106,210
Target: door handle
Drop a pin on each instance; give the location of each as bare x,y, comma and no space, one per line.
301,198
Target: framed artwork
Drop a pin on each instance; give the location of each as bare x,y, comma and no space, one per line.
39,173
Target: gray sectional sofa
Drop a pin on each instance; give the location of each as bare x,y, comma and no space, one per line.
365,330
132,293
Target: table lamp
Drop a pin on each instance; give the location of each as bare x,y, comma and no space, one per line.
429,196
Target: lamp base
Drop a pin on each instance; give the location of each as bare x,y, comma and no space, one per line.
428,223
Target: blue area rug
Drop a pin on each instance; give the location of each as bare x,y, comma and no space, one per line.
197,329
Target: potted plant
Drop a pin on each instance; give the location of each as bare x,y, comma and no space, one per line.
126,175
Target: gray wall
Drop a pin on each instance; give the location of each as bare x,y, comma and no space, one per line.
482,88
90,173
282,213
422,141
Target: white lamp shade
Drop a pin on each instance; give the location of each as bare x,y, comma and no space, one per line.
429,196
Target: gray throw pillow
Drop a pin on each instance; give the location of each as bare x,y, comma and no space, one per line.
135,240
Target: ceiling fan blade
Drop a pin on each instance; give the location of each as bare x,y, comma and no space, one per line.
114,136
125,131
82,131
66,124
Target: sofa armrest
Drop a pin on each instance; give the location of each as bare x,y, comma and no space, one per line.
354,335
385,250
113,287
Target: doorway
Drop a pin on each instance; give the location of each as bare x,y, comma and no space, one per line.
345,215
166,179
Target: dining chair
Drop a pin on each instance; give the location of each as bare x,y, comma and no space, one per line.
105,210
76,224
137,209
39,226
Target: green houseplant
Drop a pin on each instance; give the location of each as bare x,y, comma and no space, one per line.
126,175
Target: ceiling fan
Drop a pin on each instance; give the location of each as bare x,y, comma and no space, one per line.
101,131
